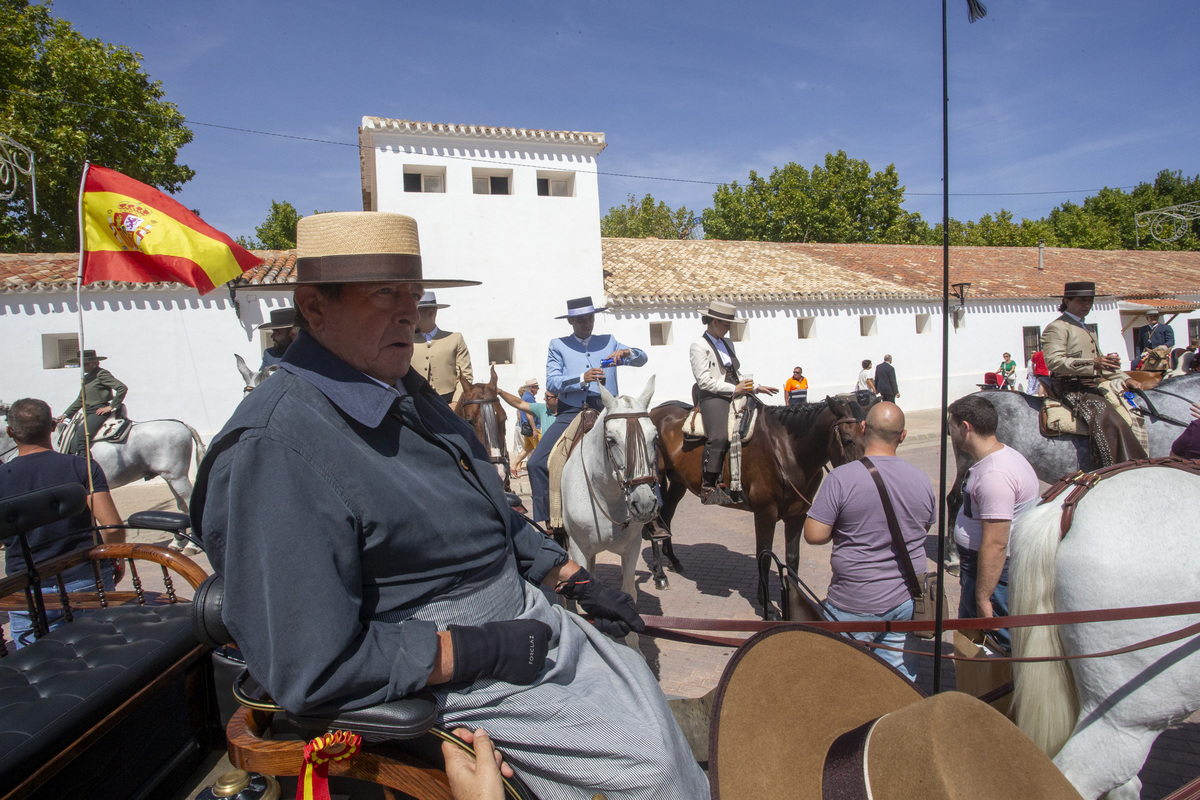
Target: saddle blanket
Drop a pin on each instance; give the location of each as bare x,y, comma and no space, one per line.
693,423
558,460
1057,420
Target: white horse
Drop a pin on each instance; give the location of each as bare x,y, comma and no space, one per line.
157,447
608,484
252,378
1098,718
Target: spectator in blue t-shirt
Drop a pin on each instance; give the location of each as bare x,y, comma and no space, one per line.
541,417
38,466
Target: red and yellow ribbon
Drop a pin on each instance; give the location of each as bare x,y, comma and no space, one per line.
318,755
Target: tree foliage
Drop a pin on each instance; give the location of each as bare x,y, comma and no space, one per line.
842,201
643,219
278,230
70,99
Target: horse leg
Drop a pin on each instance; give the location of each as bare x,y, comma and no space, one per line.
1104,756
675,492
764,539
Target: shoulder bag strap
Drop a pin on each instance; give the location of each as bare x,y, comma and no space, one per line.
906,567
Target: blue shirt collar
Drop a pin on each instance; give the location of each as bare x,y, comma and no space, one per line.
363,398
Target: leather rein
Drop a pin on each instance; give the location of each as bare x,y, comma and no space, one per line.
641,462
836,427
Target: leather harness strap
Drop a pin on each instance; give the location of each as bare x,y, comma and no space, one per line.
1083,481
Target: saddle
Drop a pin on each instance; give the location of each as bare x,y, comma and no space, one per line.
693,423
1084,481
572,436
115,429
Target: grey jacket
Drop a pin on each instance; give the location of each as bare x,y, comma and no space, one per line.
331,505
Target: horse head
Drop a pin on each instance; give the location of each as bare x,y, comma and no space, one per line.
480,406
846,432
251,377
629,443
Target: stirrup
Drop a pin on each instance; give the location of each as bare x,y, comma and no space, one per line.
657,532
715,496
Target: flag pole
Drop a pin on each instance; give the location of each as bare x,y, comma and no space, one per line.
87,443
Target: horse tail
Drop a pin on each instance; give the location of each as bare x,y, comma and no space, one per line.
201,450
1047,703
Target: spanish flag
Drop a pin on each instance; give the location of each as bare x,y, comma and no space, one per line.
133,232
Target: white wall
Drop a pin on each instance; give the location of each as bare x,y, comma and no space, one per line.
531,253
173,349
832,356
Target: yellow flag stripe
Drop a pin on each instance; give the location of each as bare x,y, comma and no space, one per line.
166,237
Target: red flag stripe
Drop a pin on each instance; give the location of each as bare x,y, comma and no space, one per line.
135,267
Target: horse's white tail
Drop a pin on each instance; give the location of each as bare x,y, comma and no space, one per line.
201,450
1047,703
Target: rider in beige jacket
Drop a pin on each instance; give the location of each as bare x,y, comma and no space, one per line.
442,357
1085,380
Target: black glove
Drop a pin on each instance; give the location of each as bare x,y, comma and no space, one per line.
612,610
513,651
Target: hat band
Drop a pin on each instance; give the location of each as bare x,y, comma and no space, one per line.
581,311
720,315
845,773
359,268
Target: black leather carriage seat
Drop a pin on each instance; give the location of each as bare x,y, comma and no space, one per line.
160,520
54,690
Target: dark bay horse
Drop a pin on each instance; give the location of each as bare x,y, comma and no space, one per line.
781,470
481,407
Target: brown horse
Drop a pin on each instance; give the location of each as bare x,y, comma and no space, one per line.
481,407
781,470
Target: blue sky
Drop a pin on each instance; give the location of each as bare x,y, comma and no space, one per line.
1050,100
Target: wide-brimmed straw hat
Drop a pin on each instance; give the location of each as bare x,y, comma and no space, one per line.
429,300
360,247
280,318
801,713
88,355
721,310
581,307
1079,289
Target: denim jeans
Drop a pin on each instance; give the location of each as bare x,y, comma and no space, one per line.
905,662
968,575
21,624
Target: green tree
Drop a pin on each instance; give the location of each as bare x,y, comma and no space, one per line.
70,99
643,219
278,230
842,201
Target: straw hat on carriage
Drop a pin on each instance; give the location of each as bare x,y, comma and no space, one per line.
802,713
360,247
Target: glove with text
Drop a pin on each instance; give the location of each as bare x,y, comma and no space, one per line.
612,610
513,651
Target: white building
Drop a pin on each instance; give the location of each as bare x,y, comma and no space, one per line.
519,210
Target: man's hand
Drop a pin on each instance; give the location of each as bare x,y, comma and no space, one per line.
620,356
1106,362
513,651
744,387
1196,410
983,607
478,777
1133,385
102,410
766,390
593,374
613,610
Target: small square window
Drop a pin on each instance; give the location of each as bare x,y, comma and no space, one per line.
867,326
425,179
500,351
555,184
660,334
804,328
491,181
923,323
58,349
1031,337
1193,329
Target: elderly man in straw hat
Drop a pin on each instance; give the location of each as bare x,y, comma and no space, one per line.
439,356
392,562
1085,380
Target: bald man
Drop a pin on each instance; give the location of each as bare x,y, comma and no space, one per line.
868,580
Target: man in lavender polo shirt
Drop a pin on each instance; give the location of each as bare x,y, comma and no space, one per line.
868,581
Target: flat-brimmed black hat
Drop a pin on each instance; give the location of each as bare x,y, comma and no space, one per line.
1080,289
88,355
280,318
580,307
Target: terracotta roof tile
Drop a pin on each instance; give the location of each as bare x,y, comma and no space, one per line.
55,272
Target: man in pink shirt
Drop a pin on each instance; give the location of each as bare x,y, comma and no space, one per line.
1000,486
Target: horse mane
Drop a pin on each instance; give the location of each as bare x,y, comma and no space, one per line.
797,420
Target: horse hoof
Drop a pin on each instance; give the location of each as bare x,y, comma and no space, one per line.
662,583
675,566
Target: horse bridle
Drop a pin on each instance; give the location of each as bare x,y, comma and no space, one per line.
493,439
641,461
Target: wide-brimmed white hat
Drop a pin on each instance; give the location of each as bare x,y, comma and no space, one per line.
721,310
429,300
